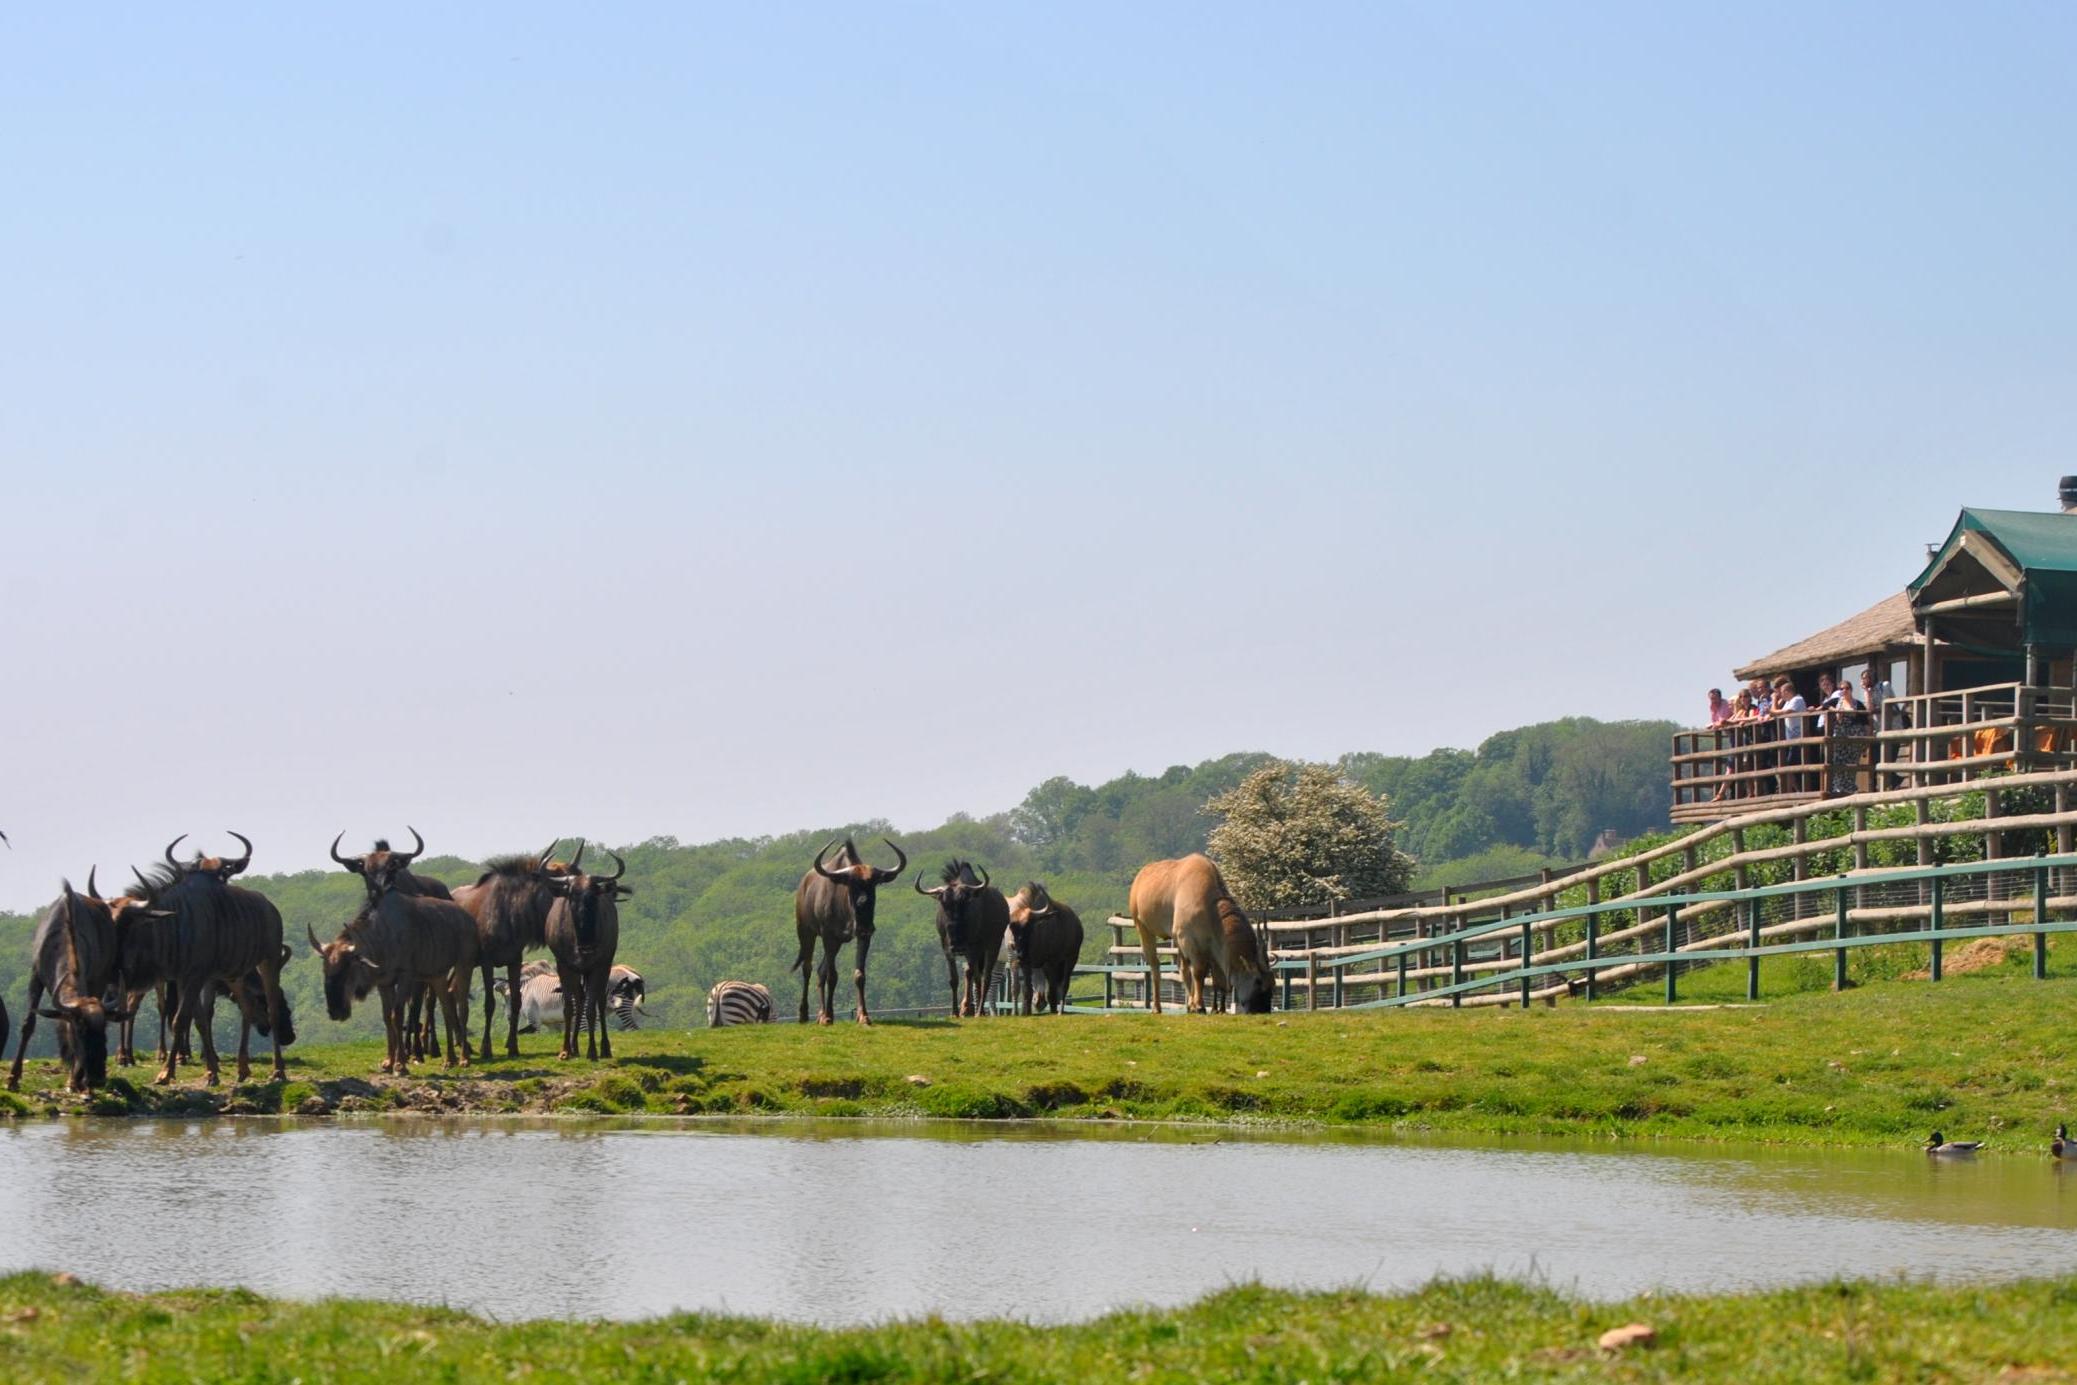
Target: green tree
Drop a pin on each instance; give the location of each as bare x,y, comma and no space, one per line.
1305,834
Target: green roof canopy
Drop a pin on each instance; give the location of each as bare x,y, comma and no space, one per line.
2031,555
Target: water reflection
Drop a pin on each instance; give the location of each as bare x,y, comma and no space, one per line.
848,1224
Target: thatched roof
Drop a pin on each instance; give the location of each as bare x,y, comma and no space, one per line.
1885,625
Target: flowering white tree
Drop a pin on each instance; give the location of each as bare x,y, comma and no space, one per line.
1302,834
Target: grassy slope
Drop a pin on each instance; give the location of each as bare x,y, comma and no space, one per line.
1476,1330
1982,1056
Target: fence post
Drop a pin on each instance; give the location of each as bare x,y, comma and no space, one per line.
1107,990
1525,966
1672,986
1593,932
2040,921
1402,976
1312,980
1939,919
1839,933
1752,939
1341,972
1457,970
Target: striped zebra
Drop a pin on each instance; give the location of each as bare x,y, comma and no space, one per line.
738,1002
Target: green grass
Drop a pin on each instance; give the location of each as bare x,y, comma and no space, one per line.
1982,1056
1469,1330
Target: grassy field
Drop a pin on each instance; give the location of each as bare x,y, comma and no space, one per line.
1472,1330
1987,1056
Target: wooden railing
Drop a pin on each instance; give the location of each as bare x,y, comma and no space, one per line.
1456,950
1927,739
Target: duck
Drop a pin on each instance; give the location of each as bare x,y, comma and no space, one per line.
2062,1146
1941,1148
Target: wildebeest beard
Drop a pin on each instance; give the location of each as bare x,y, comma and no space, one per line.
584,919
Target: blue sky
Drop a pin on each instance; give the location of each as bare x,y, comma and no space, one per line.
516,420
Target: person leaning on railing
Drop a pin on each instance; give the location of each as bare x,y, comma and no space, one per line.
1843,744
1789,707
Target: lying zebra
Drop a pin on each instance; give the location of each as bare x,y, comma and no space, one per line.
738,1002
540,1003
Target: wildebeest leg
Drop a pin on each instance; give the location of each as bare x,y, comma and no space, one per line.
807,966
826,983
14,1074
511,1009
244,1043
865,944
393,1027
184,1003
168,1001
572,983
490,1007
457,1027
270,985
1146,945
205,1030
595,992
952,980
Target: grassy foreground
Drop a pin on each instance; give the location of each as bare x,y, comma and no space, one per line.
1982,1056
1470,1330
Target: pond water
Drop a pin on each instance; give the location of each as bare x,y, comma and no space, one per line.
852,1223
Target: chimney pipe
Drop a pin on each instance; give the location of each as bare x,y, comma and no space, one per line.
2066,492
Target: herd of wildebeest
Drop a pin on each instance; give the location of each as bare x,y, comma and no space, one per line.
186,935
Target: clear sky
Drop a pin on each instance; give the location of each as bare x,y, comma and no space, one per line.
703,420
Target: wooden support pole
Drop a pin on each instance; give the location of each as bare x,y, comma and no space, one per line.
1752,940
1672,985
2040,923
1938,921
1593,932
1800,867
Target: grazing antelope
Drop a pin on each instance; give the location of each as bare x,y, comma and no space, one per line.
1187,900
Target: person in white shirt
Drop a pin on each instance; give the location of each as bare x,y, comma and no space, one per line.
1788,705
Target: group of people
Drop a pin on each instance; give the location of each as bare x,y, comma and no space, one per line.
1773,725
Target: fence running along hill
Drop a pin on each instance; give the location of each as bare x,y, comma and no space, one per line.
1925,865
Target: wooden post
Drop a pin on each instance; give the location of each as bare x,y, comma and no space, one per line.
1457,969
1593,932
1800,868
1839,933
1752,940
2064,832
1525,966
1993,849
1939,920
1402,976
1108,977
1312,980
1286,975
2040,922
1340,982
1672,987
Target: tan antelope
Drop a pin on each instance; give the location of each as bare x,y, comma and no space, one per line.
1187,901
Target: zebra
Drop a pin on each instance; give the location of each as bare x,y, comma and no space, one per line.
625,994
738,1002
541,1000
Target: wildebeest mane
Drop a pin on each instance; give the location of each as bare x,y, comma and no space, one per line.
956,869
153,883
511,867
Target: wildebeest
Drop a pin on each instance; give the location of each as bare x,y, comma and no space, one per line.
378,864
1187,900
1045,944
510,903
398,943
584,933
218,934
738,1002
73,958
835,904
972,917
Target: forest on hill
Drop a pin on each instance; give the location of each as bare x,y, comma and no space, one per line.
701,913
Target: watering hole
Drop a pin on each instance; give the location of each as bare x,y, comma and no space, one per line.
853,1222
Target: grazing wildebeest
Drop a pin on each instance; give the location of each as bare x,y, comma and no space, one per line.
835,904
398,944
1045,944
1187,900
972,917
510,903
218,934
373,865
73,958
584,933
738,1002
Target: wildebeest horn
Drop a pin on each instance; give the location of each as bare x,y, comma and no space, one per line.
315,945
352,863
984,876
824,871
285,953
243,861
416,851
622,865
142,883
901,863
918,883
578,859
169,850
92,893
